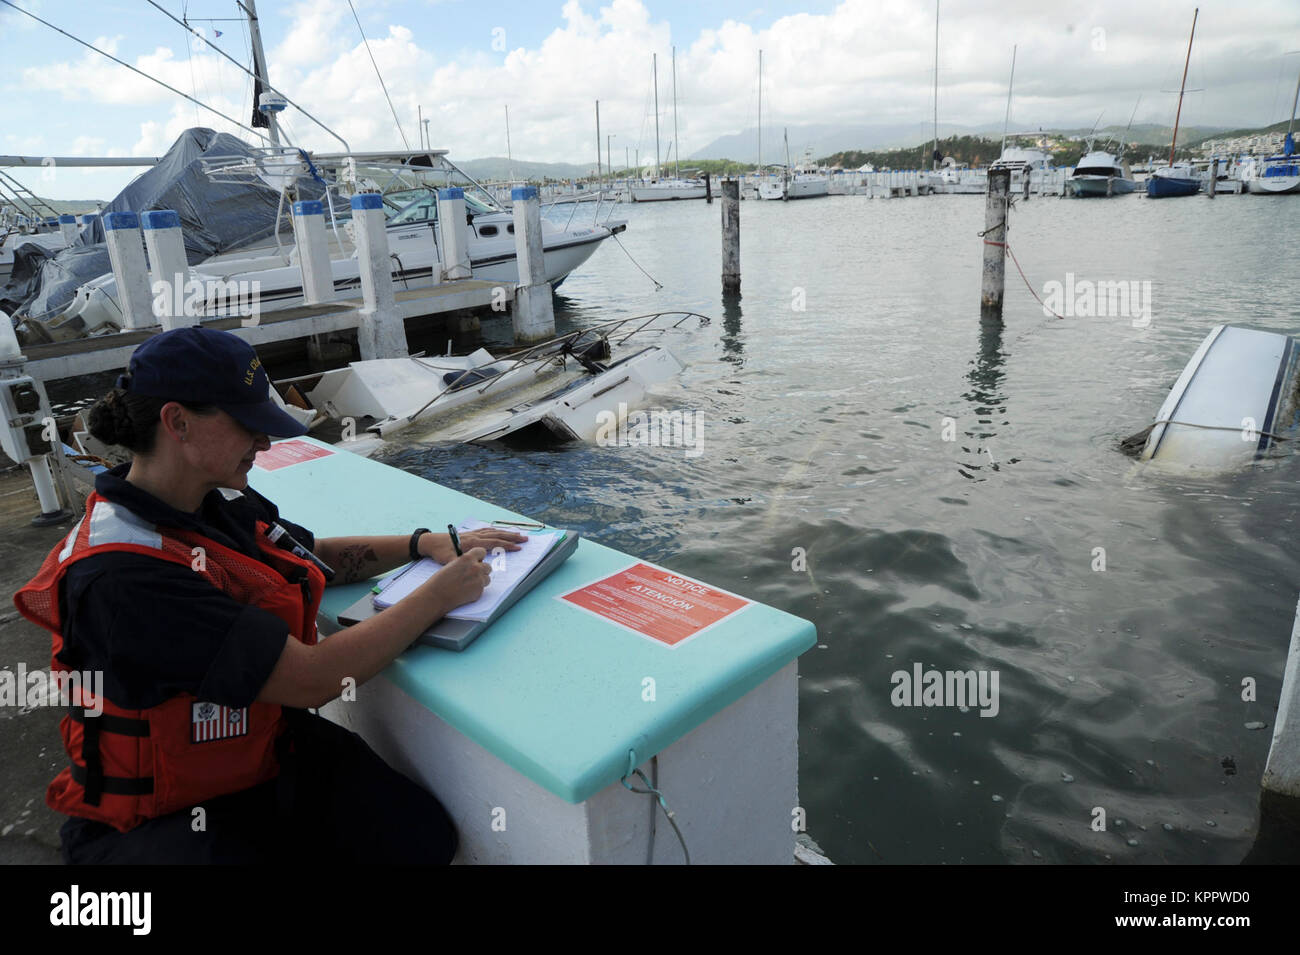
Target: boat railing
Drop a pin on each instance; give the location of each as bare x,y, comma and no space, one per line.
559,348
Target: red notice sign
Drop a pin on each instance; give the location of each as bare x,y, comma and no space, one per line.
285,453
656,603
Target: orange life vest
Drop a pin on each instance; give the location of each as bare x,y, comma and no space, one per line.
128,766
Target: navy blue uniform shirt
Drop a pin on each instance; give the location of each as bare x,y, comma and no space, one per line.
156,628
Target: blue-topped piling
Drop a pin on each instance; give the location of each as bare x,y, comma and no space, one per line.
381,333
534,313
126,255
168,268
453,234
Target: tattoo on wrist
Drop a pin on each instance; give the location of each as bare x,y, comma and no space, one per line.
352,561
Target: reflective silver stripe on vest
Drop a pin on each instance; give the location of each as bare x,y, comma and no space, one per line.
111,524
71,541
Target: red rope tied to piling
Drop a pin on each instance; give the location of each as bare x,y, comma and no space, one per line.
1022,275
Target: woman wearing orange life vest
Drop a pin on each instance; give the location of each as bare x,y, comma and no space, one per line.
204,629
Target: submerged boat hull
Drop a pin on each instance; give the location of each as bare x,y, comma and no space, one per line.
1224,410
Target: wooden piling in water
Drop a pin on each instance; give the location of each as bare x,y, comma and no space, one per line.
995,243
708,190
1214,178
731,235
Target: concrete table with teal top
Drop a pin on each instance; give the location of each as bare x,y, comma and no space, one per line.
526,734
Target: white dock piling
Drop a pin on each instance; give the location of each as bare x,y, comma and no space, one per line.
534,312
126,255
995,243
68,228
168,268
313,252
381,333
731,235
453,234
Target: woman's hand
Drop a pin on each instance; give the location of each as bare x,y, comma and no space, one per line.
438,546
464,578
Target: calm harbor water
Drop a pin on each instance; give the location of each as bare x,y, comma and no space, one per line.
824,429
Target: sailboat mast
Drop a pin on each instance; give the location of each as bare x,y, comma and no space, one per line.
676,139
654,65
1295,99
933,161
760,112
1178,115
1010,83
510,159
599,175
259,67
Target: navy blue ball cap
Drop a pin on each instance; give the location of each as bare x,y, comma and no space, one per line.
205,366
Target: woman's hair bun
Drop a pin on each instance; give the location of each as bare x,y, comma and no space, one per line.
110,421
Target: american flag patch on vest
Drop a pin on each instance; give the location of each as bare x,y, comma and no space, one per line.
208,722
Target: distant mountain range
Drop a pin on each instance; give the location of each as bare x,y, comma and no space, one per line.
825,139
501,169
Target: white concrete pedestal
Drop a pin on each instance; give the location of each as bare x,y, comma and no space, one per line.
731,781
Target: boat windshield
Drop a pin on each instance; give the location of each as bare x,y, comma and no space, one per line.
421,205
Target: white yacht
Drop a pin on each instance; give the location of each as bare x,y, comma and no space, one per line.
1100,173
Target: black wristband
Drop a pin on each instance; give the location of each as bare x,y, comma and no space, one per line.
415,542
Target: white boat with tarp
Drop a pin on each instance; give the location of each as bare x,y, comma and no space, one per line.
236,217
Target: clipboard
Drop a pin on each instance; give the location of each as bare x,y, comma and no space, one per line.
452,634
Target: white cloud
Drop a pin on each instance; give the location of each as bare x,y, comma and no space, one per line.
865,61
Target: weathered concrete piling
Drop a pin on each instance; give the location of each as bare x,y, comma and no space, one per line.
453,234
731,235
126,256
534,312
168,266
313,252
381,333
995,243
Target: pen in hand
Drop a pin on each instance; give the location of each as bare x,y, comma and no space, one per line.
455,540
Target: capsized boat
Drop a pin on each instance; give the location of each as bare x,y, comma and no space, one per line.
559,383
1237,392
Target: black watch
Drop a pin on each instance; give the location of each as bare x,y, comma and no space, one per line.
415,542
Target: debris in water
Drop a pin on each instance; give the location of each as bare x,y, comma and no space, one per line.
1255,725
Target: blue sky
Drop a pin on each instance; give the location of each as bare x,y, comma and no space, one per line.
857,61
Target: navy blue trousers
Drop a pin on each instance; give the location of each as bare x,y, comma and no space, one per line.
334,801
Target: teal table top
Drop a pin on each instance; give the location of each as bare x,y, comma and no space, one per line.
556,691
